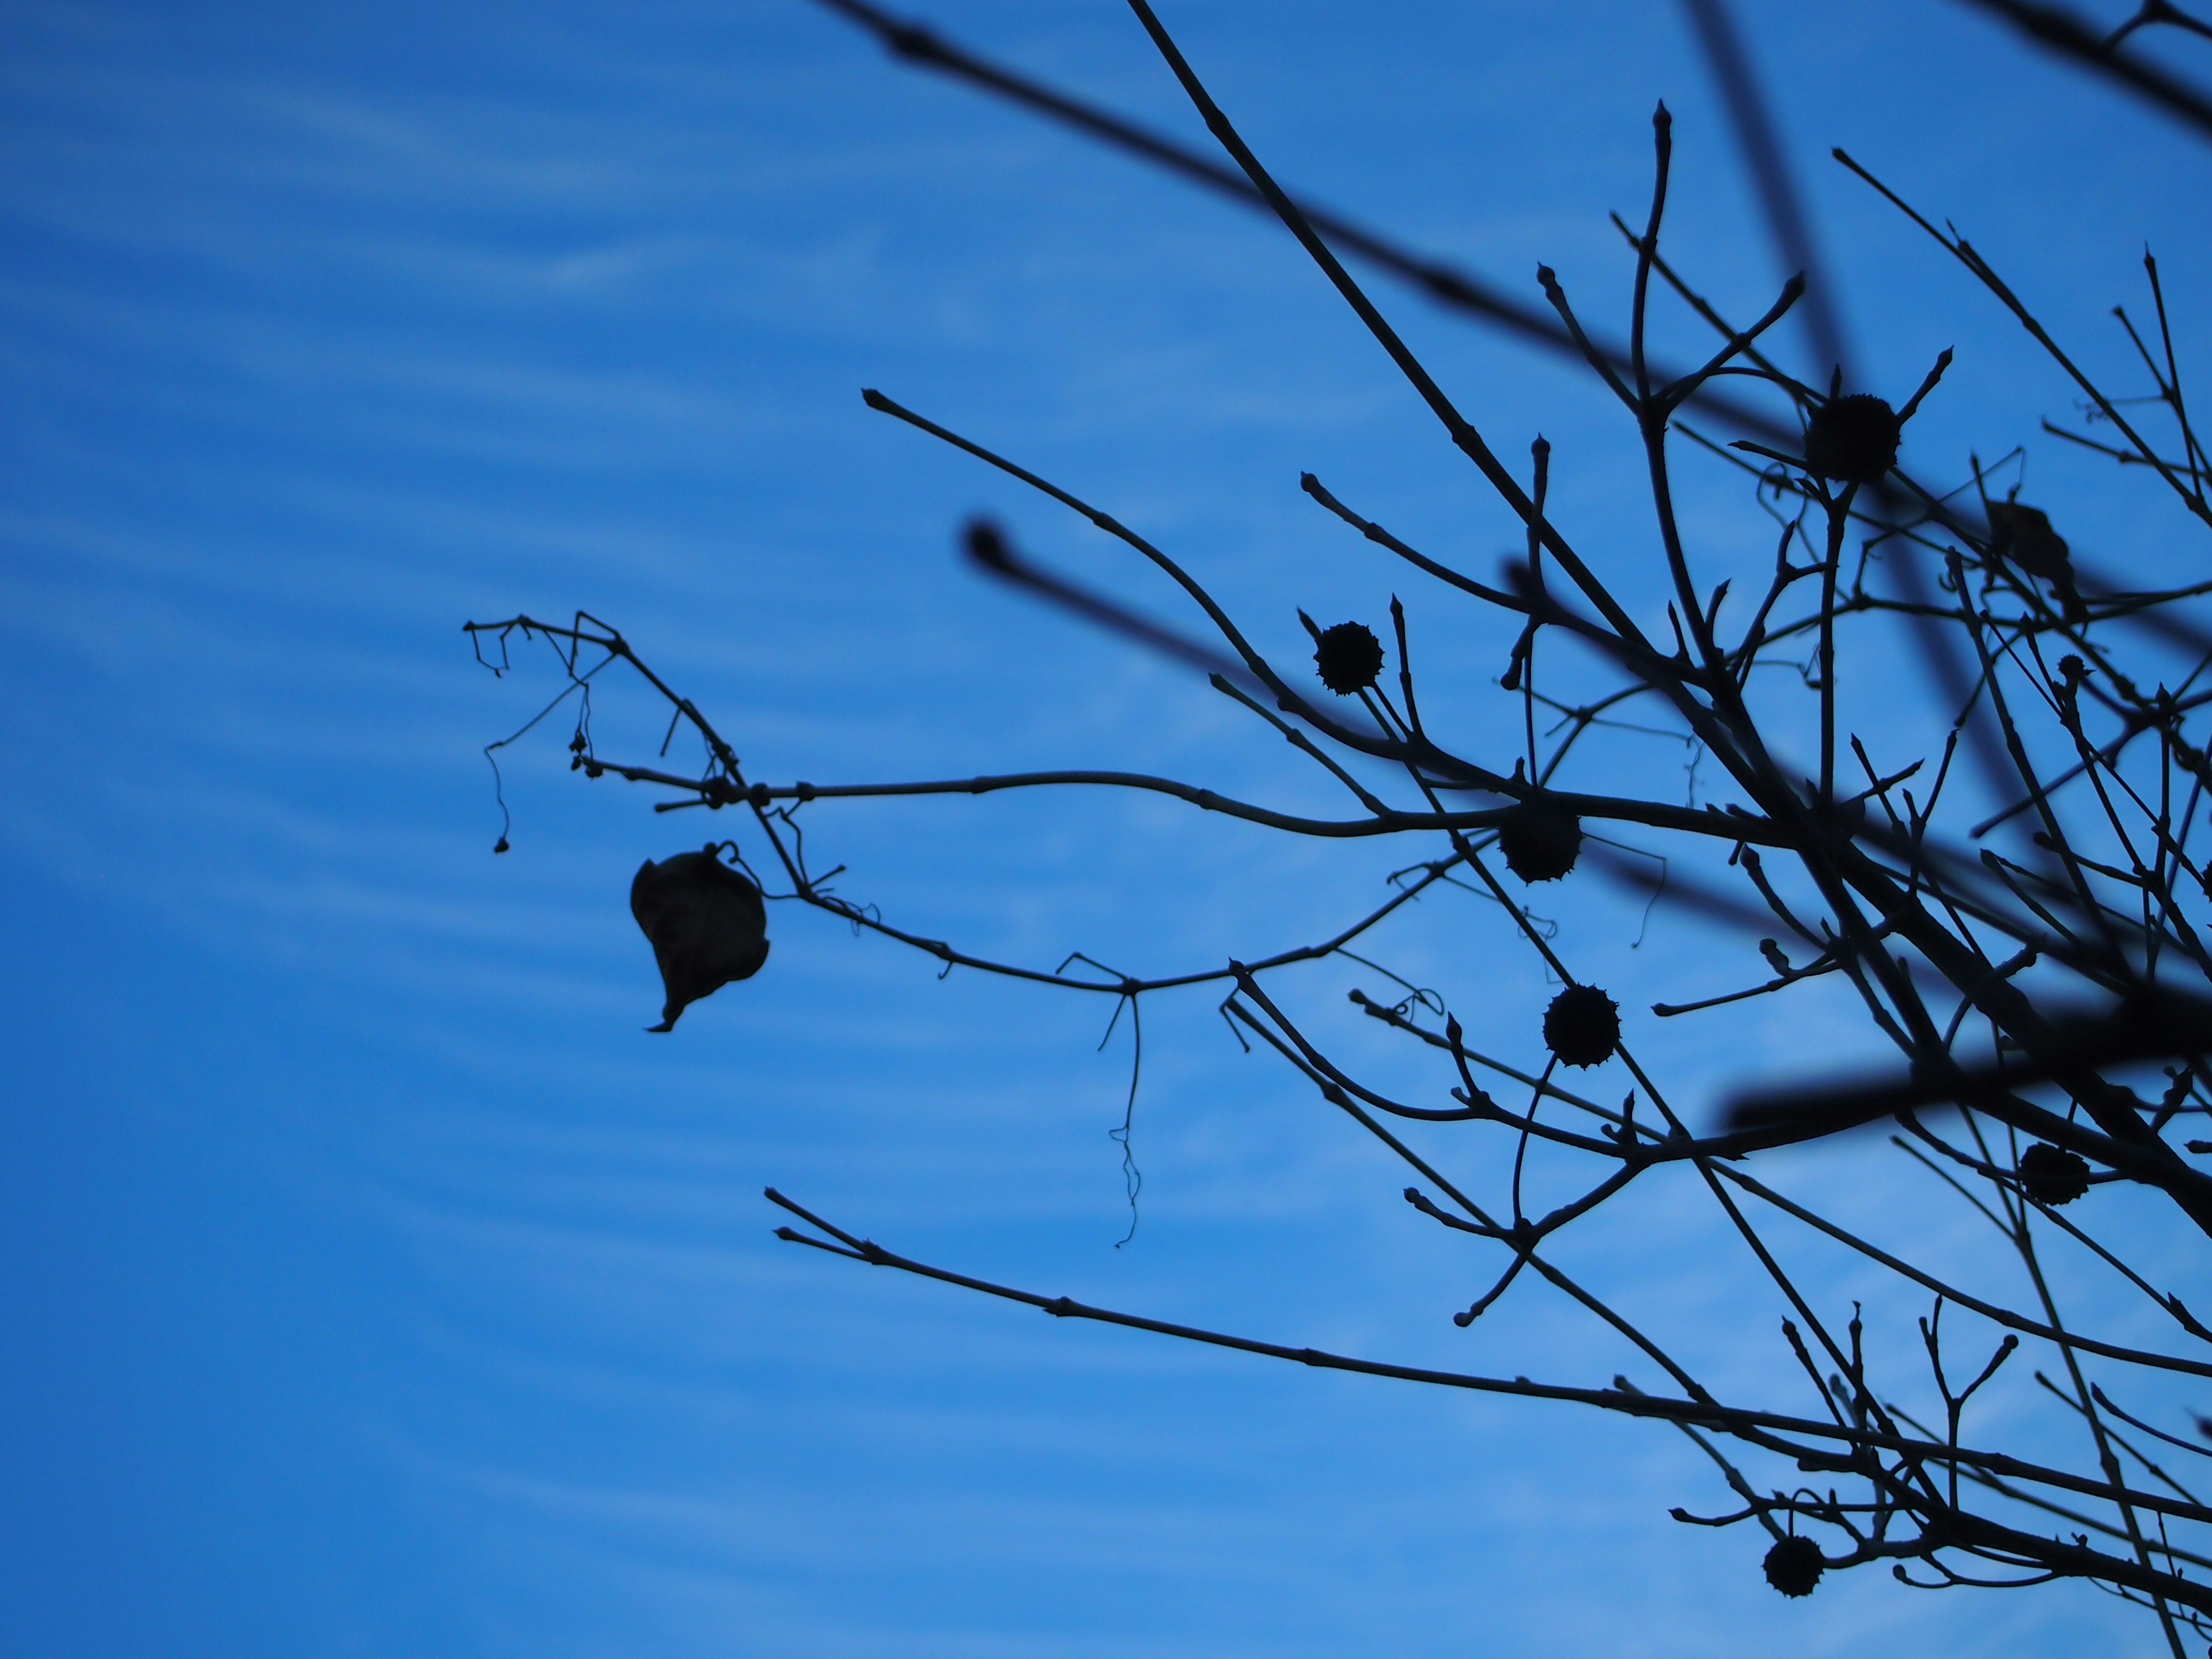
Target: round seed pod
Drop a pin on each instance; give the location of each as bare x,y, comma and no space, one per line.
1582,1026
705,923
1349,657
2052,1175
1540,839
1794,1565
1852,438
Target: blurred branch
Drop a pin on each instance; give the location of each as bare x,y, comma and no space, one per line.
2072,37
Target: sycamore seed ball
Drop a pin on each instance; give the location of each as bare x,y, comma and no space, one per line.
1794,1565
1349,657
1582,1026
1540,839
2052,1175
1852,440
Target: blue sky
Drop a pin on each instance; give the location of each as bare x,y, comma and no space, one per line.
373,1286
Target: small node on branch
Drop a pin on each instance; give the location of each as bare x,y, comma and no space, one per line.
2052,1175
1853,439
706,922
1582,1026
1794,1565
1540,839
1349,657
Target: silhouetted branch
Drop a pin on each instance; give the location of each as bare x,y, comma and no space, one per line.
2028,985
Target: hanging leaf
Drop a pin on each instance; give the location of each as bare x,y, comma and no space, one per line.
2024,535
706,922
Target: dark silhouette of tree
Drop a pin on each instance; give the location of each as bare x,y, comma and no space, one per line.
2019,908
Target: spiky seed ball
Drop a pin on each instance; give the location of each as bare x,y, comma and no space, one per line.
1540,839
1582,1026
2052,1175
1852,438
1794,1565
1349,657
